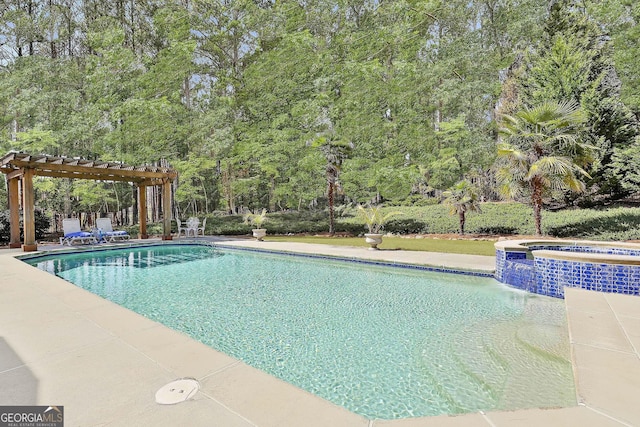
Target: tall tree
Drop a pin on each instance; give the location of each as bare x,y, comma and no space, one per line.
574,61
335,151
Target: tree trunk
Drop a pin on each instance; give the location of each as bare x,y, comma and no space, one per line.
30,12
206,197
462,220
332,229
536,198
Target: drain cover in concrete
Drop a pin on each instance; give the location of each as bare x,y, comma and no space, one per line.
177,391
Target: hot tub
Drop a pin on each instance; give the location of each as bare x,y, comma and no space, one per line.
546,267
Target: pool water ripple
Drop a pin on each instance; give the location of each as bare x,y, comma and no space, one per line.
384,343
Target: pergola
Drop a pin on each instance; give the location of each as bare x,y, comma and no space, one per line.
22,167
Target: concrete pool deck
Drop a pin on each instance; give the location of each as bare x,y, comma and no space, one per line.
62,345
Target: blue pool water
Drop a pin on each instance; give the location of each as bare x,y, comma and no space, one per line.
383,342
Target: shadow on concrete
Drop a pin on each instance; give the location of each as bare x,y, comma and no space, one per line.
19,385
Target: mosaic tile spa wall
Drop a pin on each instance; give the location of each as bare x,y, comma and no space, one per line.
545,274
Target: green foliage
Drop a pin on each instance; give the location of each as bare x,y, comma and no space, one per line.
625,163
197,184
233,94
229,225
542,153
617,223
445,170
460,199
415,200
373,217
575,61
35,141
395,183
41,223
5,230
621,21
256,219
515,218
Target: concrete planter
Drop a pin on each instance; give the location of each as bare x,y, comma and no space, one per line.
373,239
259,233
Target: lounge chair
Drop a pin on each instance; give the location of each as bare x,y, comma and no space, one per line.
73,234
108,234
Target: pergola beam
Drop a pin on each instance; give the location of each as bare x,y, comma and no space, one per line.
92,172
15,174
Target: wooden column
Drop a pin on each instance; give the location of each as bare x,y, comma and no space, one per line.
28,216
166,210
14,212
142,211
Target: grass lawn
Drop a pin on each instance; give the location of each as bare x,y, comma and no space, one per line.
467,247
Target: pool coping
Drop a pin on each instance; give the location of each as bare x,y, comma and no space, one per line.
280,251
85,351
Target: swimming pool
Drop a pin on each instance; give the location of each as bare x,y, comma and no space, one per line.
384,343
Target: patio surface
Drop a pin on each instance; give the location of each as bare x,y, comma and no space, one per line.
61,345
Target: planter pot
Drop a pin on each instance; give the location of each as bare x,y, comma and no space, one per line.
373,239
259,233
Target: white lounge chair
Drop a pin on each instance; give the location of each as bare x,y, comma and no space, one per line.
73,233
108,234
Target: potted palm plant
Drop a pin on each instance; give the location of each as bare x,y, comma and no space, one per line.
257,219
375,221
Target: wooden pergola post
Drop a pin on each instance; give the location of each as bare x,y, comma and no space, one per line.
28,215
14,212
166,209
142,211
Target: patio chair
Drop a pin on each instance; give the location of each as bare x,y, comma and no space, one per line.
74,234
181,228
200,229
192,226
108,234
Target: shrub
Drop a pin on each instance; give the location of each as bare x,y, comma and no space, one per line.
41,222
406,226
231,225
5,231
619,223
414,200
496,229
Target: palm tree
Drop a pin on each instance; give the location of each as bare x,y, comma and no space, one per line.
542,153
462,198
335,152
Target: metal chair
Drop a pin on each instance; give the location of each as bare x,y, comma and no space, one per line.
192,226
201,228
181,228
